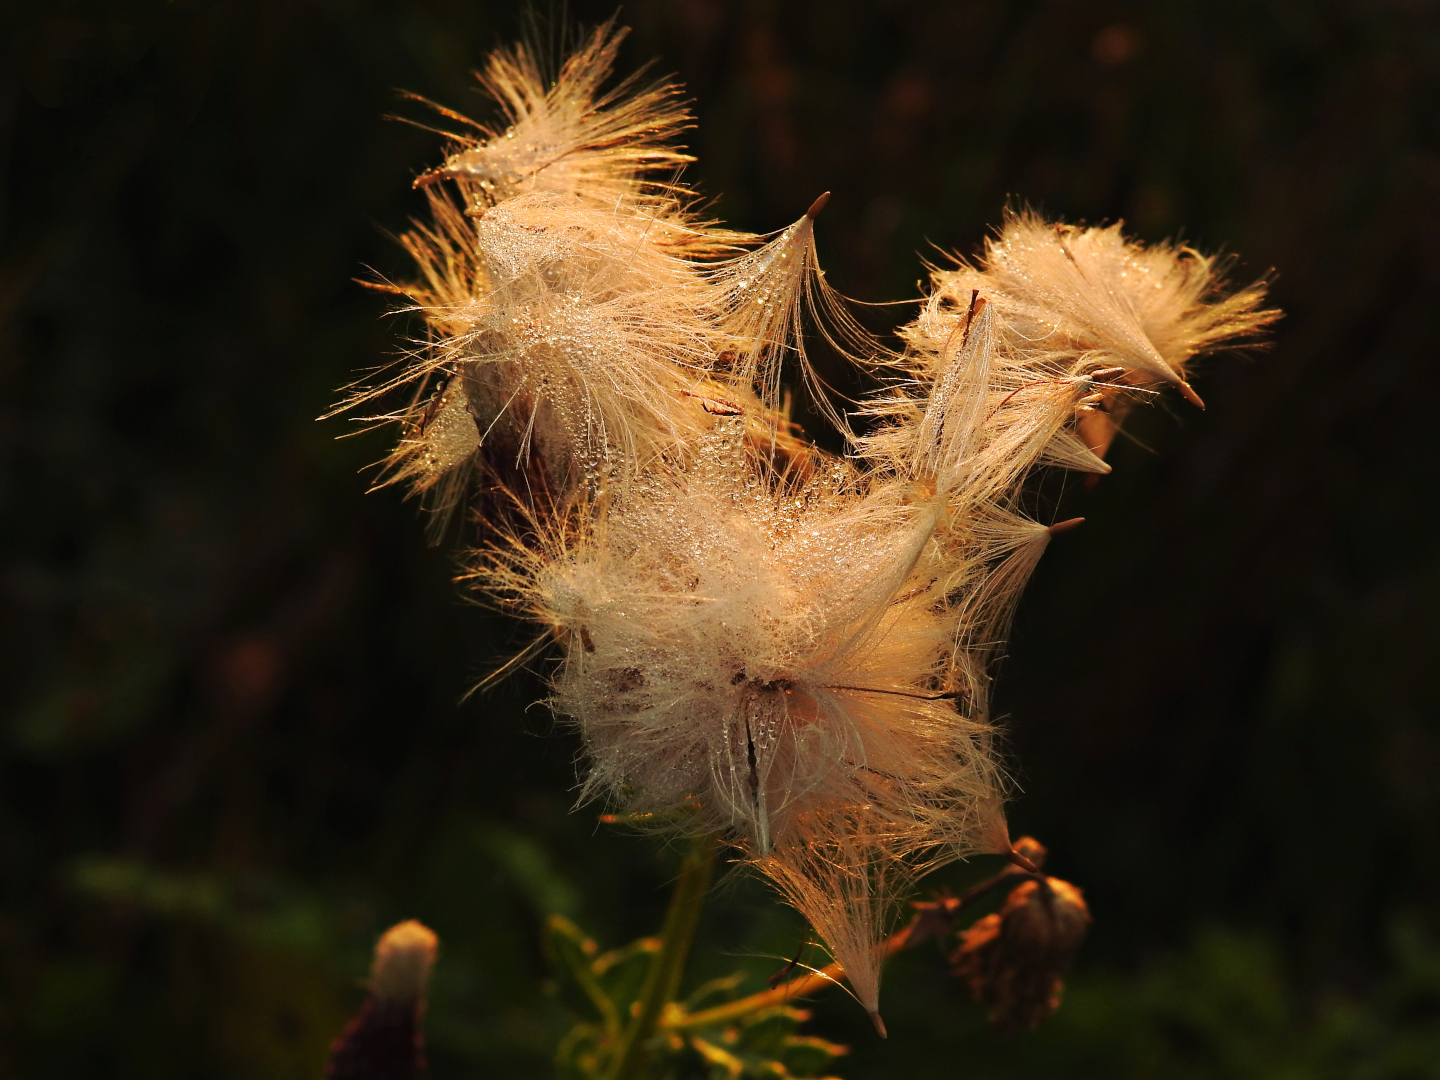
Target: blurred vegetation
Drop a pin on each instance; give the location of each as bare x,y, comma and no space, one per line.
232,746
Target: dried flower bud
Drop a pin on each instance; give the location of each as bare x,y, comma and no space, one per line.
1013,960
385,1041
403,958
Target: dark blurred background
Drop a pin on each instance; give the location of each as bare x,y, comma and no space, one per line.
233,749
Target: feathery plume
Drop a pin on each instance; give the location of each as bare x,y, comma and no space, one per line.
785,647
1083,297
763,296
567,136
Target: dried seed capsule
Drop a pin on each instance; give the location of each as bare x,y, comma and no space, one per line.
1014,960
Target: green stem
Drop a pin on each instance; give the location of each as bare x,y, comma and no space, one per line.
662,982
917,931
787,992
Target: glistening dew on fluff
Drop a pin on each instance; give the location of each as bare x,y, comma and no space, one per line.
755,638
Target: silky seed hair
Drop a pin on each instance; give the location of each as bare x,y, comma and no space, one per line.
754,638
568,135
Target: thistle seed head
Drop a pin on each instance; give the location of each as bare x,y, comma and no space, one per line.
756,637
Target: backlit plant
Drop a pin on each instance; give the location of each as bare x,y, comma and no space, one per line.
764,645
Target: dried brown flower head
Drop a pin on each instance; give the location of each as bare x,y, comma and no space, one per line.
1014,960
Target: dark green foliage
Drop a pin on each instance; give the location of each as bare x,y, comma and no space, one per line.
764,1045
232,747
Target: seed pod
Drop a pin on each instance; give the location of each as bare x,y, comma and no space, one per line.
1014,960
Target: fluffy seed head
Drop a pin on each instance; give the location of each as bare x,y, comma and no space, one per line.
759,650
756,638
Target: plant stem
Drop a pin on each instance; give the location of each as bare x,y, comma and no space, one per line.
784,994
915,932
662,982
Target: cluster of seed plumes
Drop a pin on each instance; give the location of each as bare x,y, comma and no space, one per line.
755,638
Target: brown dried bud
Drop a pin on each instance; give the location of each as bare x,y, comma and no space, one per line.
385,1041
1013,960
